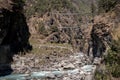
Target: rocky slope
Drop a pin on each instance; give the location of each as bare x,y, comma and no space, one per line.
57,22
61,23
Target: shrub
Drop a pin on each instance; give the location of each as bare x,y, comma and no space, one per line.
42,29
43,6
112,63
112,60
101,76
106,5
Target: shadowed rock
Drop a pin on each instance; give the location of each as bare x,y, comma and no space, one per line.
14,32
101,37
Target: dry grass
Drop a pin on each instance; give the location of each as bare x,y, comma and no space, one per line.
47,48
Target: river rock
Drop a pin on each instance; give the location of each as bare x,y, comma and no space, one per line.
69,67
50,76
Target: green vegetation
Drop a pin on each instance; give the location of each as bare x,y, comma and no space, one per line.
112,63
101,76
43,6
113,59
42,29
106,5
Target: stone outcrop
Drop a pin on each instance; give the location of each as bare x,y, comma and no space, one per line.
101,38
105,29
14,32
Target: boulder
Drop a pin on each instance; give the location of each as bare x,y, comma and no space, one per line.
69,67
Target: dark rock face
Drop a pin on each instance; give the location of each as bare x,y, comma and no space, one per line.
101,37
14,32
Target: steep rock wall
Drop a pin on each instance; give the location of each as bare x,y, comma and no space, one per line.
14,32
105,29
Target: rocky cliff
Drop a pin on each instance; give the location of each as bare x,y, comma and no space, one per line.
105,29
105,37
14,33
